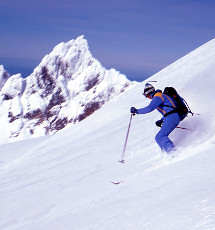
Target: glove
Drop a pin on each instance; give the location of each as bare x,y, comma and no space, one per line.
134,110
159,123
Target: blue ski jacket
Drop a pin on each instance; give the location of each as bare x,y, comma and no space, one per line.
160,102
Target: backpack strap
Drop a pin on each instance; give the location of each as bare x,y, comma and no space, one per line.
189,110
170,112
173,105
159,94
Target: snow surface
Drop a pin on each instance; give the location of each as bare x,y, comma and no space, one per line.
63,181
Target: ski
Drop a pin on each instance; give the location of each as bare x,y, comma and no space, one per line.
117,182
122,161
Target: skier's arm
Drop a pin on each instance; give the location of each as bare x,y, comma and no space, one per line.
156,101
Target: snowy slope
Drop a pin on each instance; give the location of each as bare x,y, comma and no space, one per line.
63,181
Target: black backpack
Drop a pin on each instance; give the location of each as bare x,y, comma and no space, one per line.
182,107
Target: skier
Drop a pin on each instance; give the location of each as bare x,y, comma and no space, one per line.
165,105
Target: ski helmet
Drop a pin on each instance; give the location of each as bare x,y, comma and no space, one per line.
148,89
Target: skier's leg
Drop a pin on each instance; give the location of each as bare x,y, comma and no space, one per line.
162,139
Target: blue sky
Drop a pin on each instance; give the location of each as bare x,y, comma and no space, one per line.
136,37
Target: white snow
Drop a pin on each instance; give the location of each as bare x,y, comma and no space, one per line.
63,181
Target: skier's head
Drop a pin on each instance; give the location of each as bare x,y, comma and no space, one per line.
149,89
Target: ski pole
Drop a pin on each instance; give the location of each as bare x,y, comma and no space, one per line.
126,140
184,128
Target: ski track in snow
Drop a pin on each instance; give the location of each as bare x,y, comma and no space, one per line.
164,160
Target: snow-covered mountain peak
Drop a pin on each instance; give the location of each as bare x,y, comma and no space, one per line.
67,86
4,76
16,82
68,49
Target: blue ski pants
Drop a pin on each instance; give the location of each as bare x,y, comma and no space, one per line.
162,139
